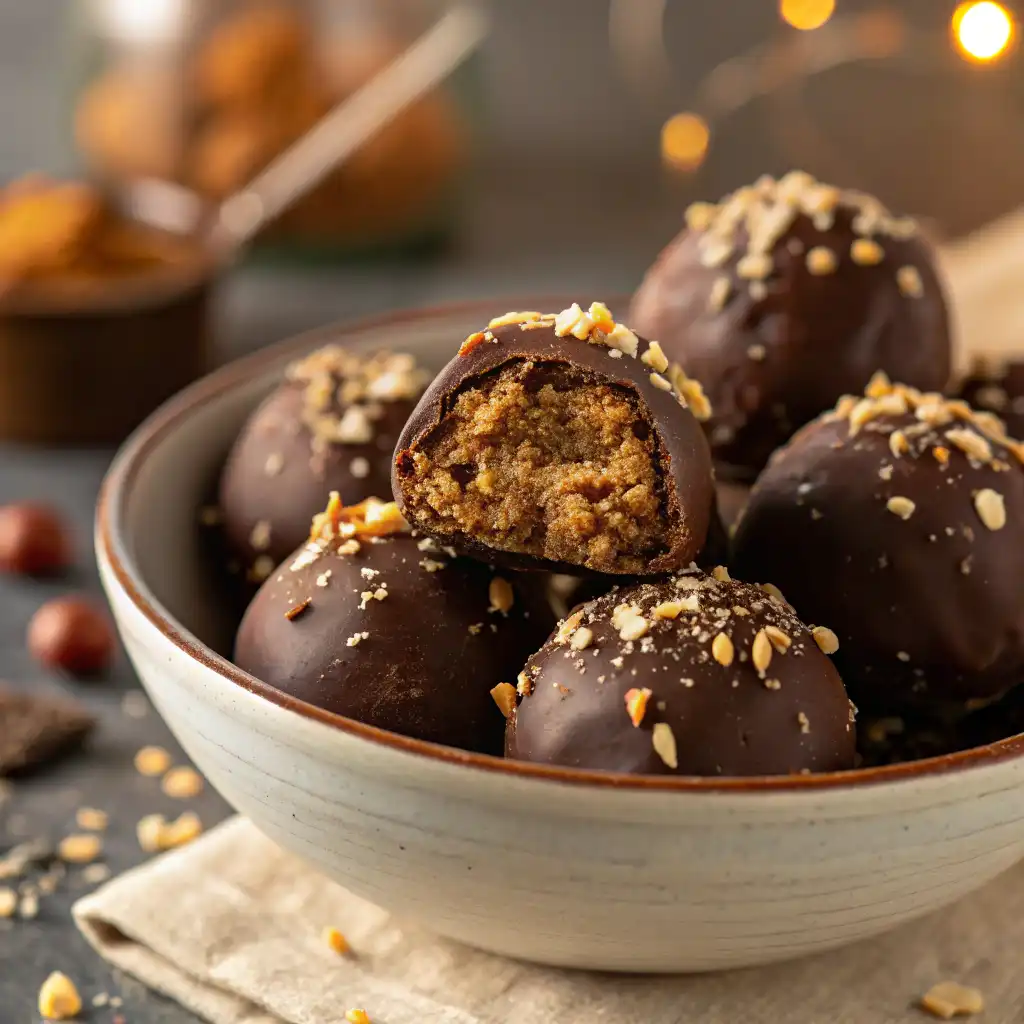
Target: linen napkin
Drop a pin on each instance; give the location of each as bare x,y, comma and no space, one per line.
231,927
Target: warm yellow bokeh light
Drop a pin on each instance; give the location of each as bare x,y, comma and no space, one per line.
684,141
982,30
806,14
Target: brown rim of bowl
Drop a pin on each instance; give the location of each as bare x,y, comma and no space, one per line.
109,517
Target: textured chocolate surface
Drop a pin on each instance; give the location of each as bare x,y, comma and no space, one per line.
397,634
704,693
997,386
787,295
330,426
899,521
538,353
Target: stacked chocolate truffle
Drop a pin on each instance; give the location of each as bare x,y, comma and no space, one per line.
786,295
331,425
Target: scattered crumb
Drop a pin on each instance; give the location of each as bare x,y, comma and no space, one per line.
155,833
80,849
94,874
357,1016
335,940
134,704
948,999
182,783
504,695
58,998
91,819
152,761
8,902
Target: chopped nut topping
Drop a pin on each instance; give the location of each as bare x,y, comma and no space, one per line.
370,518
58,998
825,639
524,685
755,266
357,638
772,684
947,999
941,455
634,627
513,318
898,443
80,849
297,610
700,215
804,722
636,704
821,261
655,357
582,638
722,650
152,761
757,353
622,339
775,594
504,695
568,625
879,386
477,338
761,651
333,939
900,506
991,508
501,595
780,640
972,444
721,574
259,539
690,393
866,252
664,742
909,281
719,294
673,609
274,464
182,783
660,382
91,819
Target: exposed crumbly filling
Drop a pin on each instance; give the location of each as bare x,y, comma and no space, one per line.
535,461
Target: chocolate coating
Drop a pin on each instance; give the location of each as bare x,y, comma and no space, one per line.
548,366
330,426
997,387
433,647
786,296
702,716
899,521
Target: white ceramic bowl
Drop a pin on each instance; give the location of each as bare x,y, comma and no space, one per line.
565,867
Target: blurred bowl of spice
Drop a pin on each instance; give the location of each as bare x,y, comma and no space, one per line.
101,317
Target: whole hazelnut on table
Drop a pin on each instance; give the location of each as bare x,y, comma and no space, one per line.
33,540
72,634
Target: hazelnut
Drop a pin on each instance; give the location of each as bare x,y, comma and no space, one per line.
33,540
72,634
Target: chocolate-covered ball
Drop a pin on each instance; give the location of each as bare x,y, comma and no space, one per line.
561,442
330,426
997,386
371,622
787,295
898,519
695,675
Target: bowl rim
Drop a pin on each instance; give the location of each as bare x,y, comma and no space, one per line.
110,514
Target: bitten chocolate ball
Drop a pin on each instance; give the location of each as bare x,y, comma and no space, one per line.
787,295
371,622
560,442
997,386
330,426
694,675
898,519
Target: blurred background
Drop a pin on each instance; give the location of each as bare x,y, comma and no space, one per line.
560,158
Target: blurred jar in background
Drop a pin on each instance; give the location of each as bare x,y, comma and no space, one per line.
207,92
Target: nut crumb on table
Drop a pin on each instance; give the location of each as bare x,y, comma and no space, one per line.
949,999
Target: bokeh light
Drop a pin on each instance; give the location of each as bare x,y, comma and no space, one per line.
806,14
982,30
684,141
